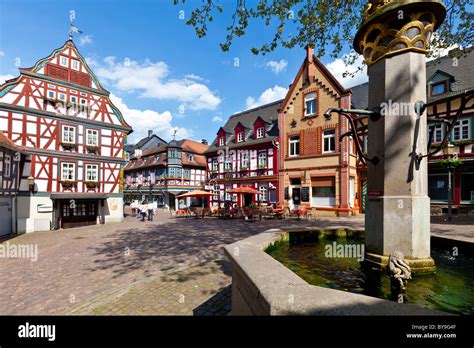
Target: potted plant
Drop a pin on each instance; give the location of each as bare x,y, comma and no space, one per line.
68,146
92,149
68,183
92,184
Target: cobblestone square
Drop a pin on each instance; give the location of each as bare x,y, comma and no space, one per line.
166,267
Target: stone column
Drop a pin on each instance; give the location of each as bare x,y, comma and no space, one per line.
394,38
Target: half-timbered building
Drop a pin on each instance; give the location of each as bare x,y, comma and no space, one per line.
317,171
245,153
11,160
73,136
159,174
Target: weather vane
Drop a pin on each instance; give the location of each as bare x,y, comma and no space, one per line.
72,28
174,134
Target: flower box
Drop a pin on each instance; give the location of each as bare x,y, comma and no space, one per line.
68,183
92,184
92,149
68,146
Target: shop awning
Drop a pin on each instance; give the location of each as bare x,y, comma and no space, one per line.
76,195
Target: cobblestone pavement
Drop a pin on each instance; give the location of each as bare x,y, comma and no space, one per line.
168,266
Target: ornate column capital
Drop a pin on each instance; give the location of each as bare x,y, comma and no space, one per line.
392,27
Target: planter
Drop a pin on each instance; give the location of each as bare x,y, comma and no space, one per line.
68,146
92,149
68,184
92,184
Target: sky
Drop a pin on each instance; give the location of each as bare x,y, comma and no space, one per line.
160,74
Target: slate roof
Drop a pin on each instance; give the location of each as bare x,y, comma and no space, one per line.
149,156
462,74
268,113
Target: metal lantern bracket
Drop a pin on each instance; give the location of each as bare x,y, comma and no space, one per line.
354,132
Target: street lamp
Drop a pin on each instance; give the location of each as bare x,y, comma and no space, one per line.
449,152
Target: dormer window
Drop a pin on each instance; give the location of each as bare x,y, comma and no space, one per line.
190,158
310,101
260,132
240,137
439,88
157,157
221,141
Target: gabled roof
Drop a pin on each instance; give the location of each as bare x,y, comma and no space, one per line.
34,72
145,140
440,72
68,44
268,113
330,77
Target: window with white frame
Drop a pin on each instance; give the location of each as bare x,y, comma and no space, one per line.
69,134
63,61
75,64
228,196
262,160
438,132
73,99
240,137
329,140
461,130
221,141
83,101
92,137
52,95
260,132
310,101
67,171
215,166
244,160
62,96
294,146
228,163
190,158
92,172
264,193
7,166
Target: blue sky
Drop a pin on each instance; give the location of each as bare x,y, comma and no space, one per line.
160,74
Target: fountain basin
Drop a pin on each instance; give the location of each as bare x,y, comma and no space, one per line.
261,285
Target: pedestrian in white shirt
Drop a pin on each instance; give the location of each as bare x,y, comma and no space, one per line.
150,211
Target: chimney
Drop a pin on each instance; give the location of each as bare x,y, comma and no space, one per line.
204,142
310,52
150,132
310,68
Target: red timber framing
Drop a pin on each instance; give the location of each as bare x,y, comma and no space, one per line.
36,105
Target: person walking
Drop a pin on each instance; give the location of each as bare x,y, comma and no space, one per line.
143,210
150,211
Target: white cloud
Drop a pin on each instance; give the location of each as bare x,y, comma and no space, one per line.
217,119
3,78
439,52
85,40
2,53
338,68
152,80
268,96
143,120
277,67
